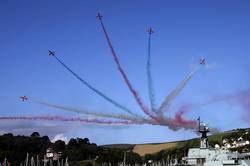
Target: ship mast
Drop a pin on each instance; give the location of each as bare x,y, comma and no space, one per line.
203,129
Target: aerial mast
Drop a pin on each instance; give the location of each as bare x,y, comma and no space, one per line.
203,129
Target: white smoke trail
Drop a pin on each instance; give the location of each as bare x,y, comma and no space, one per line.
167,101
98,114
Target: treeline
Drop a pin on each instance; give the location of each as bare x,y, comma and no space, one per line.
15,148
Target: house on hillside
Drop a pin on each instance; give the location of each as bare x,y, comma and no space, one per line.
51,154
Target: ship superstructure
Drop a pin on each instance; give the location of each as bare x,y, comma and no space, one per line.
208,156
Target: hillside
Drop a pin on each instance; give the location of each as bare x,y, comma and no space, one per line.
119,146
153,148
143,149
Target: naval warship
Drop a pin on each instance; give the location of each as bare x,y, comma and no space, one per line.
206,155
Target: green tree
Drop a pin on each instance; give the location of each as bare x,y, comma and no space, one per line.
59,146
35,134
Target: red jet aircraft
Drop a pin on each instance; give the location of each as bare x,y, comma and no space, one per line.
150,31
202,61
52,53
99,16
24,98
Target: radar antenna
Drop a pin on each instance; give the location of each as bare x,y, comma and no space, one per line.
203,129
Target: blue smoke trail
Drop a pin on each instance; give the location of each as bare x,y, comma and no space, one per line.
149,76
95,90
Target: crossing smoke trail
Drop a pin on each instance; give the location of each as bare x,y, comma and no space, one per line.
171,123
175,124
167,101
149,76
120,69
98,114
67,119
156,116
94,89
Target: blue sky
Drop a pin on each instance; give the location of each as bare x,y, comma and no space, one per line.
184,30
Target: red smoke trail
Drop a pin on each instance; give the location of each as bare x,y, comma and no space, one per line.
244,100
65,119
241,98
181,121
178,121
116,59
